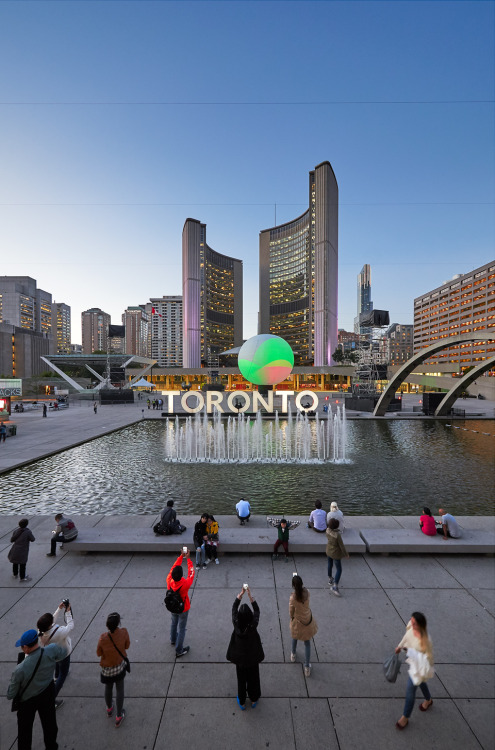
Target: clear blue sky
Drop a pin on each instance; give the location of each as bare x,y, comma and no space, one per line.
121,119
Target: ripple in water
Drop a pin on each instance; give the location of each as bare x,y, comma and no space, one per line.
396,467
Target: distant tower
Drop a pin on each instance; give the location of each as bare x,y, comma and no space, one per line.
212,299
299,274
364,303
165,330
94,324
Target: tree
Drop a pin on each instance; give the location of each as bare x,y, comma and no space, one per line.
338,355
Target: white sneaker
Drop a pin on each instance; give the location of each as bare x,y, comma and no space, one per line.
292,657
335,591
307,670
217,561
27,578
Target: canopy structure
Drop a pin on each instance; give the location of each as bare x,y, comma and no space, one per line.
142,384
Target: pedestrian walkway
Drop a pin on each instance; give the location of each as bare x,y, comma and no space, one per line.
345,703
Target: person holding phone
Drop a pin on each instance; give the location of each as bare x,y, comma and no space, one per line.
176,582
245,649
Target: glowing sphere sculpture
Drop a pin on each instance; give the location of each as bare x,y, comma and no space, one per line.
265,359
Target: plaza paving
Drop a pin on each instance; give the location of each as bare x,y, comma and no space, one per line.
345,703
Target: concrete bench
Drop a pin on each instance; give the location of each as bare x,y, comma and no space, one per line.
248,538
407,541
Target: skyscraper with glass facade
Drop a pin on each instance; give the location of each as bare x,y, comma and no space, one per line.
299,274
212,299
364,303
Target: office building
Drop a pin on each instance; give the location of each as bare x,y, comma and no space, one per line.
299,275
21,349
135,320
398,343
465,304
165,330
23,305
61,327
212,298
364,303
95,324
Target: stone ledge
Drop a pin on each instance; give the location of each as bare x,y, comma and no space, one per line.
241,539
406,541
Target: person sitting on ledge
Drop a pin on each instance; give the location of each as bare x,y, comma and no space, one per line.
427,523
65,531
243,510
337,514
318,518
449,526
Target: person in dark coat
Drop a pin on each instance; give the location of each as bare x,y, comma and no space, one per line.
18,553
245,649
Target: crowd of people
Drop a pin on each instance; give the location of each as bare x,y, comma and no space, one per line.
44,662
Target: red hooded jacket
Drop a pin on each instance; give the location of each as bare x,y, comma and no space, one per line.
184,584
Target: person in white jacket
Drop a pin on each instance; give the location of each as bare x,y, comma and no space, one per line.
420,659
50,631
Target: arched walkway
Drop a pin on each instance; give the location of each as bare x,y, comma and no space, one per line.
447,402
419,358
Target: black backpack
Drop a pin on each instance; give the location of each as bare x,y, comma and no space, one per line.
174,602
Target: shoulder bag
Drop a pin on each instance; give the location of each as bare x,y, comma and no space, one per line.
16,700
127,662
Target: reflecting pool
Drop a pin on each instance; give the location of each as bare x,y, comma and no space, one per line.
394,467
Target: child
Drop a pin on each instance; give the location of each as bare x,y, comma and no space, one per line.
18,554
283,538
212,541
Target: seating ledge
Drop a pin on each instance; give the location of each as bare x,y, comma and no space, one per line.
238,539
410,541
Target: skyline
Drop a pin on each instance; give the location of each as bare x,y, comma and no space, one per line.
150,113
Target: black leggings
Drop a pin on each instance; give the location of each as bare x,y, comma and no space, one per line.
19,568
119,689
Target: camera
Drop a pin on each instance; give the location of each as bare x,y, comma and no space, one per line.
66,603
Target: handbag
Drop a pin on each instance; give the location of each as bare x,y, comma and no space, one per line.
16,700
127,662
391,667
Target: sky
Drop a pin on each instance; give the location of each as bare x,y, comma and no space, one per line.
119,120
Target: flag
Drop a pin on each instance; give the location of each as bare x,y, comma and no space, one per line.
154,312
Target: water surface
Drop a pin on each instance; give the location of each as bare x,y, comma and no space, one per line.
396,467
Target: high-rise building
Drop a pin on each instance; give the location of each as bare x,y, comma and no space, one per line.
95,324
348,341
165,330
364,303
61,327
464,304
299,274
135,319
212,295
23,305
398,341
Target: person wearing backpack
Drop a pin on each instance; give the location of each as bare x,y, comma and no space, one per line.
178,587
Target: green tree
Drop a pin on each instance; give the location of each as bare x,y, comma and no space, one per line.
338,355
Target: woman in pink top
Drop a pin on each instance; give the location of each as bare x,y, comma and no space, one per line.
427,523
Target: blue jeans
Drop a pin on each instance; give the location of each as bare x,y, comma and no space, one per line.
307,650
338,566
61,672
411,694
178,630
200,555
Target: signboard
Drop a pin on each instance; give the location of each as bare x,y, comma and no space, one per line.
10,387
239,401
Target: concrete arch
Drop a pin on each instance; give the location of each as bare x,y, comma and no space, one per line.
447,402
419,358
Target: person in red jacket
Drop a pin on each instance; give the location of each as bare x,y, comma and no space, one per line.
177,582
427,523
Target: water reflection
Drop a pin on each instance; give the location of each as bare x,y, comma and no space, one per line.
396,467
